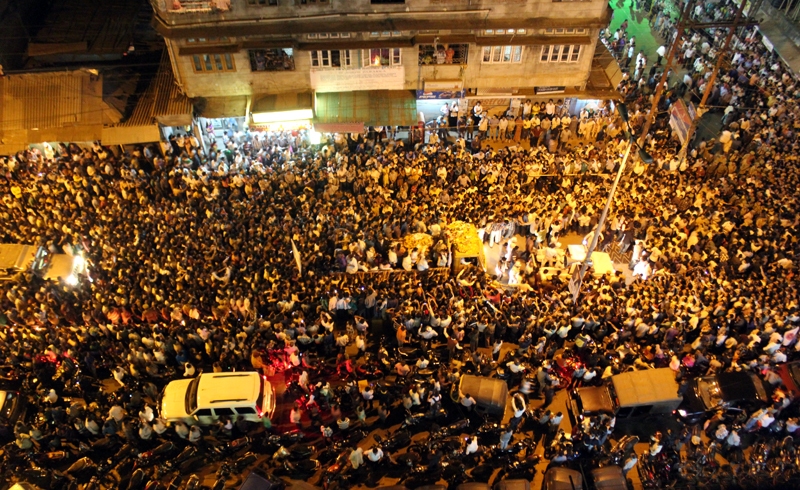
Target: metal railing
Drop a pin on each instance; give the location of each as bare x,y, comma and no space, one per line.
191,6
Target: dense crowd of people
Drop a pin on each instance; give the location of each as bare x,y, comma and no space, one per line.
191,263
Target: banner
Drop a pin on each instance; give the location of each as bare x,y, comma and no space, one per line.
440,94
388,78
574,285
680,118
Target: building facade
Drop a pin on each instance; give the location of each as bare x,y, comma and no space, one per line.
257,55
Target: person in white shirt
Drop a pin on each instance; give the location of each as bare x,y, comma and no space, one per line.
375,454
661,51
733,440
472,446
629,463
467,401
356,457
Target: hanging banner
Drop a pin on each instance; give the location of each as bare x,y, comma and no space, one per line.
680,118
388,78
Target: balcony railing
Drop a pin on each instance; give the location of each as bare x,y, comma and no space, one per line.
198,6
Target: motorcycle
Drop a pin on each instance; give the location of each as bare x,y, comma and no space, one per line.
240,464
420,476
399,439
149,457
187,453
298,469
520,470
136,481
193,483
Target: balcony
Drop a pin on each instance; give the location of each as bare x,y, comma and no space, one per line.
197,6
443,54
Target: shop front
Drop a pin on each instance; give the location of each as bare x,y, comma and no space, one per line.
351,112
282,112
433,97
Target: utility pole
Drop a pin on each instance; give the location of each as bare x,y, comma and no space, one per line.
673,48
701,108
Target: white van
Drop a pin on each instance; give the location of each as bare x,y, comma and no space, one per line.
206,398
16,259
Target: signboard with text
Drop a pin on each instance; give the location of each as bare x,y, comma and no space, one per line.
440,94
389,78
549,90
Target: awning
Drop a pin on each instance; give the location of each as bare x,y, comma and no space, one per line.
215,107
130,135
373,108
281,102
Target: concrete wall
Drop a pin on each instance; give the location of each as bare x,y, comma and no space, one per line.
529,73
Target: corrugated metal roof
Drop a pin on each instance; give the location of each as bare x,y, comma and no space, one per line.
162,99
42,100
169,100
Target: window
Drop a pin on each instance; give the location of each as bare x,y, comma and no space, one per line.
312,2
386,34
280,59
271,3
329,35
502,54
203,412
566,53
331,59
503,32
443,54
223,411
571,30
245,410
624,412
208,63
382,57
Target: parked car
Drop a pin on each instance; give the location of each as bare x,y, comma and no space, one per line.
206,398
490,394
738,390
562,478
474,486
259,480
628,395
513,485
609,478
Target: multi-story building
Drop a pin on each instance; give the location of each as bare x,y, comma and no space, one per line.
376,61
